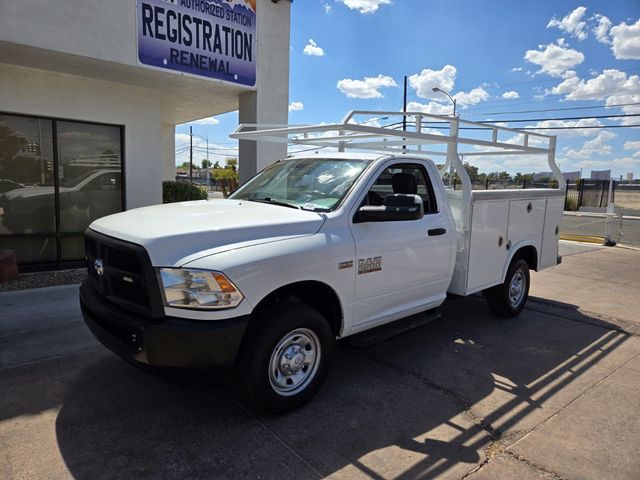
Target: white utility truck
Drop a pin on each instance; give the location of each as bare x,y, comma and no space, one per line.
357,237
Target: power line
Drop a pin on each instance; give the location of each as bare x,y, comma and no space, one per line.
623,115
556,109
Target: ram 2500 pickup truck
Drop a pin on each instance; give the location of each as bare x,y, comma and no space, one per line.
315,248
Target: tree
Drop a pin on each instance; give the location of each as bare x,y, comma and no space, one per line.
232,163
216,165
205,163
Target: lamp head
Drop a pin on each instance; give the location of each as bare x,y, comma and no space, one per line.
435,89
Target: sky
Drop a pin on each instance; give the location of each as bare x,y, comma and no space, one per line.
552,63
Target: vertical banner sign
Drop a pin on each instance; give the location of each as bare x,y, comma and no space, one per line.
208,38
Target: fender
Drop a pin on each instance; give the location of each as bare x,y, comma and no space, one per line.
515,249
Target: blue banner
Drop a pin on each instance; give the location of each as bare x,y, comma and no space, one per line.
208,38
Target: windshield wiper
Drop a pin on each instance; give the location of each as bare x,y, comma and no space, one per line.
273,201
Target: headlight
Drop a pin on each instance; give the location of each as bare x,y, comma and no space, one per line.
198,289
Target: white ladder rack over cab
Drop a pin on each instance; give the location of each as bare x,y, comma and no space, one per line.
352,135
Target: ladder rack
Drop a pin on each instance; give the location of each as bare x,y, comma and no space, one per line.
451,134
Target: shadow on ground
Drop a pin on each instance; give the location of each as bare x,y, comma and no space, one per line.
424,404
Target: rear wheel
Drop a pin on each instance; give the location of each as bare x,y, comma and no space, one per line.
286,356
508,299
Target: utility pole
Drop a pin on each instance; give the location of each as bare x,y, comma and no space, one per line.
190,154
404,105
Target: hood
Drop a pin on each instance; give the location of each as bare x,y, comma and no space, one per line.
177,233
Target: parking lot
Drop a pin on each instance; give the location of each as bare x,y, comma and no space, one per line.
553,393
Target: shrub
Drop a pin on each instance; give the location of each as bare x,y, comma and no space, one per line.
182,192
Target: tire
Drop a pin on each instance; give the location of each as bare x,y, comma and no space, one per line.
508,299
286,356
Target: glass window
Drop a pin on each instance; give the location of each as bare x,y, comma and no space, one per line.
89,172
397,179
310,183
43,218
27,192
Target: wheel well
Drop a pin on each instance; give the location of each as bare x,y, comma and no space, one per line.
530,255
314,294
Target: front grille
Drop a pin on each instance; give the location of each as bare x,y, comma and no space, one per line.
127,278
129,291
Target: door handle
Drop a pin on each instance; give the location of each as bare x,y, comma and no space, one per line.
437,231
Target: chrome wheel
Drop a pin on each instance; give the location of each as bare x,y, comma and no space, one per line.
294,362
517,288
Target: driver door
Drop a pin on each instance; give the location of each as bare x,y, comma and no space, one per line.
402,267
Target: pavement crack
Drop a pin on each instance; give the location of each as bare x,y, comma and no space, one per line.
539,469
576,398
466,405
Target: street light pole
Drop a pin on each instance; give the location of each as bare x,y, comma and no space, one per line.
190,154
436,89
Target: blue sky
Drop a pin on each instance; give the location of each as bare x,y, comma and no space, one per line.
494,57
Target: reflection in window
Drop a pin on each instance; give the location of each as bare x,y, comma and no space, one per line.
88,167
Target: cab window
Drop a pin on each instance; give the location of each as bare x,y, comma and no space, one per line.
403,178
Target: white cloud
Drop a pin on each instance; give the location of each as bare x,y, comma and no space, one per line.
369,87
424,81
572,23
205,121
365,6
296,106
433,108
327,7
554,59
313,49
626,41
610,82
601,29
472,97
632,145
510,95
606,164
593,147
577,127
516,69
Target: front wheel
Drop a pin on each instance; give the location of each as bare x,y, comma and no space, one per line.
508,299
286,356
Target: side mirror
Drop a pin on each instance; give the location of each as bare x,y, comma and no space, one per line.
396,208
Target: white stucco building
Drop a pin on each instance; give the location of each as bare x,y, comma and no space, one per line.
90,93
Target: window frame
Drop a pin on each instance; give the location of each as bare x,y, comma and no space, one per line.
58,235
403,163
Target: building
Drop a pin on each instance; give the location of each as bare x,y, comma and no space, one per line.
629,176
91,91
600,174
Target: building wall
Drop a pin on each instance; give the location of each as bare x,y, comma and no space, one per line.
91,28
146,146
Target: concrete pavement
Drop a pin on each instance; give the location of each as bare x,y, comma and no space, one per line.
552,393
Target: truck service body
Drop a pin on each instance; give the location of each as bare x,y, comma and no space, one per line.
317,247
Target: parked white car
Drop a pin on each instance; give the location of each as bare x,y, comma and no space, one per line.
316,248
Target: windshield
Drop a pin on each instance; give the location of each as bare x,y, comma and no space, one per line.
317,184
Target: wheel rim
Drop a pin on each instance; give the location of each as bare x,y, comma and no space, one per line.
517,287
294,362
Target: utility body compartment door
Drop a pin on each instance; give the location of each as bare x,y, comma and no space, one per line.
487,246
549,256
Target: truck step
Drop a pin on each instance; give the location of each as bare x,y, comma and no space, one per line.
392,329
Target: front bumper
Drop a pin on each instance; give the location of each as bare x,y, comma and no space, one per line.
169,345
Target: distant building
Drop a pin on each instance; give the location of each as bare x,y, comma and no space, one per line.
571,176
630,177
600,174
542,176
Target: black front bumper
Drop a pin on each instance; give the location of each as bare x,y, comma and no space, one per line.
170,345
